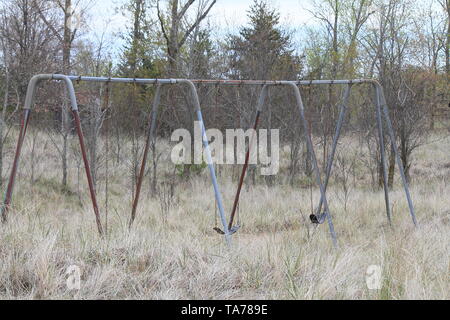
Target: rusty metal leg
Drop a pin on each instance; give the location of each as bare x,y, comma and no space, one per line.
87,168
150,136
247,156
76,116
12,177
244,171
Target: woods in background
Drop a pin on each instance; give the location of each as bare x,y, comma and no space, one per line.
402,43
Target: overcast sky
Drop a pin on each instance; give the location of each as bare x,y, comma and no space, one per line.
226,15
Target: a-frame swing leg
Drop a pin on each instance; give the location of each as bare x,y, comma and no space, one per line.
342,115
382,153
397,154
314,159
150,137
212,170
25,120
87,168
12,177
262,98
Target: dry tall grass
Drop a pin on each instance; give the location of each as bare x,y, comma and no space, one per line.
277,254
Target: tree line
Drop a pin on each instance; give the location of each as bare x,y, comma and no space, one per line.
404,44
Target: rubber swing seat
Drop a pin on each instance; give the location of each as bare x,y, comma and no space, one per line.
318,219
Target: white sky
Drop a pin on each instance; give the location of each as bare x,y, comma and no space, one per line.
226,15
234,12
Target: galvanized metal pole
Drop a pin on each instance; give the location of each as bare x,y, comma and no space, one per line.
382,153
212,170
342,114
214,82
314,159
150,138
397,155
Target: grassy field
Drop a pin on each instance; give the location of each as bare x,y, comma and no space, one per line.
173,253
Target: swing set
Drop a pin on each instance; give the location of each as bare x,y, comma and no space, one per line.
228,227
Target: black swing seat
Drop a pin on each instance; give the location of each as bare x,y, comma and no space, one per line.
233,230
318,219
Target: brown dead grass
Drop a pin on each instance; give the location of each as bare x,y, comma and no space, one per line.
276,255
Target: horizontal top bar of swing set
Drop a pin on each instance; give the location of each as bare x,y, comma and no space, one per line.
200,81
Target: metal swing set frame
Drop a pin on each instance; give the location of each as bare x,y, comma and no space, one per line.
228,229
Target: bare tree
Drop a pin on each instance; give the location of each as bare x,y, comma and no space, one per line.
73,13
174,32
389,43
27,48
446,6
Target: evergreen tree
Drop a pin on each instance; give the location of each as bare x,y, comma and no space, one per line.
138,58
262,50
